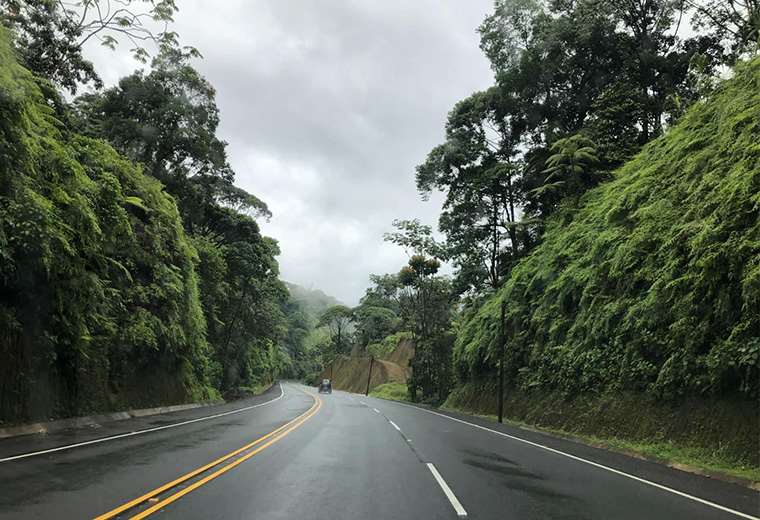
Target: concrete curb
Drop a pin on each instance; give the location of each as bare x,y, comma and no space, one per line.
93,421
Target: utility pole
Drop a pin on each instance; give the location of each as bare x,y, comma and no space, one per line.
502,346
369,377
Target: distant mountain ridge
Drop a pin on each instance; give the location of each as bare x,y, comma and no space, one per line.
313,301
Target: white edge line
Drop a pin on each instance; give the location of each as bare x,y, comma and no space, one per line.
139,432
376,410
447,491
394,425
592,463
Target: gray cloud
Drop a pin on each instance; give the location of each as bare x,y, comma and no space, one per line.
327,107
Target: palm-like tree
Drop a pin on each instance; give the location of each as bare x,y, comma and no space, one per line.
571,169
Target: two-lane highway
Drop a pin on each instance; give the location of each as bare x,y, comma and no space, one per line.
295,454
505,472
84,474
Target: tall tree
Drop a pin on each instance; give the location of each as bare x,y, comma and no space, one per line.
734,23
477,169
426,311
425,307
338,320
167,120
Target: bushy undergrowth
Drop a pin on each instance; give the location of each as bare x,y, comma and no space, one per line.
653,284
393,391
388,344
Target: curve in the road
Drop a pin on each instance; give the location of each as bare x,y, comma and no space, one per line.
218,465
140,432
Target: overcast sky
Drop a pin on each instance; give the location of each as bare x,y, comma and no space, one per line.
327,107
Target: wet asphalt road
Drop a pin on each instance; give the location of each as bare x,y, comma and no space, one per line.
344,456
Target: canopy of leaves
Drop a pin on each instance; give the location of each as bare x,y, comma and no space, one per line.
374,323
338,320
50,34
167,120
654,283
580,87
337,314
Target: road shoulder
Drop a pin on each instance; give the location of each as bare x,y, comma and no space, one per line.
730,494
87,430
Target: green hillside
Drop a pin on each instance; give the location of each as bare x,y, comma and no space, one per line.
652,286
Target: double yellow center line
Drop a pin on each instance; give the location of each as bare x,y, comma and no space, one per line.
219,463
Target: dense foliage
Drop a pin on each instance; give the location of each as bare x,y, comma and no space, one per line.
133,271
50,34
653,283
599,79
618,271
98,283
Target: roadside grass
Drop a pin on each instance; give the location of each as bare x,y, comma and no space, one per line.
243,392
693,460
392,391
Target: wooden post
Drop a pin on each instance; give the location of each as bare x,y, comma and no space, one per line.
369,377
502,346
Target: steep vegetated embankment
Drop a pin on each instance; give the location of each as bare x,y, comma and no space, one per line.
639,314
109,298
99,294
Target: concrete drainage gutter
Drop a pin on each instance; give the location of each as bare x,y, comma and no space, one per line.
93,421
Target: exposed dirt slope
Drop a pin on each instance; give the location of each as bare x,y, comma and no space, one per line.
402,354
350,373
